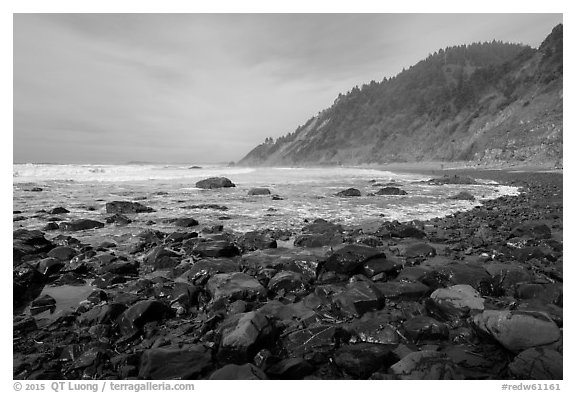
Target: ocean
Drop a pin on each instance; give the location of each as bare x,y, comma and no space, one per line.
306,194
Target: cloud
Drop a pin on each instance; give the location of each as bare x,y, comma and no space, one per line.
208,87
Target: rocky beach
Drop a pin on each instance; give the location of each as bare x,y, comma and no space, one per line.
475,294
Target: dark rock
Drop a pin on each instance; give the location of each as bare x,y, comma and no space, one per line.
58,210
27,242
122,268
215,182
288,282
126,207
207,206
134,318
460,297
457,273
24,324
162,258
547,293
62,253
315,240
49,266
118,219
206,268
391,191
246,371
216,249
185,222
178,237
389,266
102,314
505,276
80,225
350,258
373,327
51,226
27,284
108,280
314,344
425,365
534,230
358,298
256,240
537,363
518,330
454,179
189,362
350,192
362,359
234,286
463,196
259,191
425,328
291,368
42,304
322,226
402,290
244,335
420,250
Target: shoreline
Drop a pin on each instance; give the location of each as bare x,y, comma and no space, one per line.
376,293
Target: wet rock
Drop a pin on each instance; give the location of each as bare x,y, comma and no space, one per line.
216,249
80,225
457,273
391,191
534,230
518,330
459,296
402,290
234,286
322,226
102,314
291,368
362,359
51,226
425,328
122,268
25,242
59,210
259,191
189,362
185,222
49,266
287,282
463,196
256,240
161,258
547,293
537,363
314,343
246,371
243,335
454,179
133,319
27,284
350,192
350,258
108,280
24,324
315,240
396,229
215,182
207,206
126,207
118,219
425,365
506,275
206,268
358,298
420,250
42,304
62,253
388,266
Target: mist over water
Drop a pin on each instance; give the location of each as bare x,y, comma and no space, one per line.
307,193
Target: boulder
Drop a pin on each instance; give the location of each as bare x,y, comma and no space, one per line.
206,268
80,225
118,219
161,258
27,284
425,365
350,192
454,179
185,222
322,226
58,210
216,249
126,207
463,196
518,330
391,191
215,182
459,296
362,359
425,328
291,368
243,335
25,242
358,298
288,282
350,258
234,286
315,240
456,273
102,314
537,363
62,253
259,191
534,230
189,362
420,250
388,266
314,343
42,304
256,240
246,371
134,318
402,290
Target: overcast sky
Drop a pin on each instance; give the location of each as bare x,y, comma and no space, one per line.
204,88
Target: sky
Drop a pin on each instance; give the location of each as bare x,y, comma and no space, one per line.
207,88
